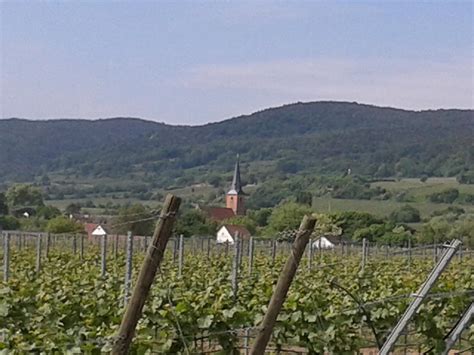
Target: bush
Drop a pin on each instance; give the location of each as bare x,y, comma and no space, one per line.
405,214
9,223
445,196
62,224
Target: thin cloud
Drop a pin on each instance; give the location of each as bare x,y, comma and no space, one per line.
403,83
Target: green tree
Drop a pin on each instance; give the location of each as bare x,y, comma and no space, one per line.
135,218
47,212
286,216
445,196
62,224
9,223
245,221
405,214
3,204
22,195
194,222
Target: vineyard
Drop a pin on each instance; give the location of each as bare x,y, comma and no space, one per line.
65,305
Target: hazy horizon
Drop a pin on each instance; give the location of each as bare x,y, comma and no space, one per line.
196,63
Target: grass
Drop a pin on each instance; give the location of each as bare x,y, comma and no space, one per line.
378,208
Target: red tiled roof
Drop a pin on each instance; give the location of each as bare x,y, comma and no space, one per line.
232,229
219,213
89,228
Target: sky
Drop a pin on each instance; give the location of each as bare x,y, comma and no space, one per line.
193,62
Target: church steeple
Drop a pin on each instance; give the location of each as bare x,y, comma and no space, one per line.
234,197
236,187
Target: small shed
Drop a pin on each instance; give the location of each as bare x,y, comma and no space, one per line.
329,241
226,233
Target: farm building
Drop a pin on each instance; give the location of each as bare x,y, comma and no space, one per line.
227,232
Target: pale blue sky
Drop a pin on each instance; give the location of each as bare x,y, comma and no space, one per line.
201,61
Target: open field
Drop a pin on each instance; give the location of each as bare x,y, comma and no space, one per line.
378,208
419,190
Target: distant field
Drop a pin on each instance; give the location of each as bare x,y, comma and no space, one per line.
379,208
419,190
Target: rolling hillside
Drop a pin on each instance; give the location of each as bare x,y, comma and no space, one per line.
317,137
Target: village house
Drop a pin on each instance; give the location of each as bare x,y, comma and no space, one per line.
227,232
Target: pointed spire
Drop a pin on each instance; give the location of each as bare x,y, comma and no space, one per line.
236,187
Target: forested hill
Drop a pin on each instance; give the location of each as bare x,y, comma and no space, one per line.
317,137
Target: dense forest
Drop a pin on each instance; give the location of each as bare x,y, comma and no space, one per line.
324,138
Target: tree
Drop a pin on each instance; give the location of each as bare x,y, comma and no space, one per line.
137,219
3,204
73,208
286,217
194,222
9,223
22,195
405,214
445,196
260,216
47,212
245,221
62,224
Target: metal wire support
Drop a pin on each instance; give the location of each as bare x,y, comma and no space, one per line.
128,268
6,256
419,297
458,329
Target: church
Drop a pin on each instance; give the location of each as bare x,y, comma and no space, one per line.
234,200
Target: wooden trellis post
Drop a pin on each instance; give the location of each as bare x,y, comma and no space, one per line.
283,285
152,261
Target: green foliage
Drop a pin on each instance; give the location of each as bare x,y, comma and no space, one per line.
350,221
73,208
137,219
61,224
47,212
466,177
272,141
260,216
405,214
286,216
9,223
3,204
194,222
22,195
245,221
68,308
446,196
446,227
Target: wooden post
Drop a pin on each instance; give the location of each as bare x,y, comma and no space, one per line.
150,265
128,267
283,284
274,250
235,266
180,255
74,244
364,254
38,253
103,254
116,242
250,265
6,256
81,246
209,247
48,241
310,255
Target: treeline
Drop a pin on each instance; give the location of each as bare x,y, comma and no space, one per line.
331,136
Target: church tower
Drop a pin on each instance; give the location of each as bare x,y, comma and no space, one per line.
235,196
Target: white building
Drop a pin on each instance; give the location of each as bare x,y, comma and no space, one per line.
227,232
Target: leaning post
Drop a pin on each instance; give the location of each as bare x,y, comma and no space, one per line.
283,285
151,263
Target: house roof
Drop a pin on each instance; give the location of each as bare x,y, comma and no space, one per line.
90,227
218,213
337,239
233,229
